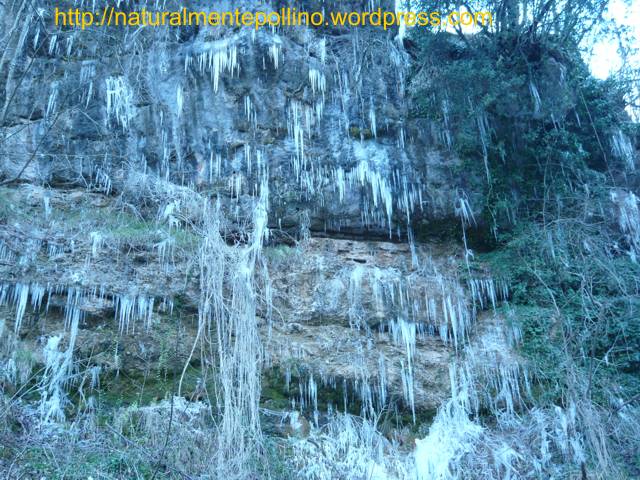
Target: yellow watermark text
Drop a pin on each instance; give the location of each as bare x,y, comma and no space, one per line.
285,17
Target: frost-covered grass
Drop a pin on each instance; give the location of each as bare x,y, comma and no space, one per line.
86,460
280,253
131,445
111,223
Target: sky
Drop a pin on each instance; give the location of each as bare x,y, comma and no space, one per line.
605,59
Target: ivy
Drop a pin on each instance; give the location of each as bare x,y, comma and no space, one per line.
547,222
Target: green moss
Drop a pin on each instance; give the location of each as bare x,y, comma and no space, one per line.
24,355
360,133
185,239
424,418
279,253
122,227
132,230
124,390
7,207
275,394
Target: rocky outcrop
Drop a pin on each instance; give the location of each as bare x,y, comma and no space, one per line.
321,115
318,118
341,311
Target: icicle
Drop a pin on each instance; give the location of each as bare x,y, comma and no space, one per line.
95,376
97,241
6,255
53,42
372,120
447,126
402,27
53,98
57,372
483,129
629,219
103,181
129,309
165,250
274,54
298,123
354,293
119,101
20,297
179,100
322,50
382,380
623,149
381,191
537,103
47,206
70,39
318,81
220,59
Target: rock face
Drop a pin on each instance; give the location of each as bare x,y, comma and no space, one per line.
362,311
317,118
363,321
339,308
321,115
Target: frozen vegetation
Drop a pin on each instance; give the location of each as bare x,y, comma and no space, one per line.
315,253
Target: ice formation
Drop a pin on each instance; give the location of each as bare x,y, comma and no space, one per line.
451,436
120,103
97,242
629,219
347,447
132,308
274,52
166,249
53,98
57,366
537,102
128,308
6,255
179,100
623,149
233,319
217,59
318,81
233,281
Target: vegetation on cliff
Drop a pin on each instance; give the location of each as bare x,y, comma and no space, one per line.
558,151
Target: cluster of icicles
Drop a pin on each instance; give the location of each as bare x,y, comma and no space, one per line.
420,314
484,376
129,308
385,191
350,448
59,367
